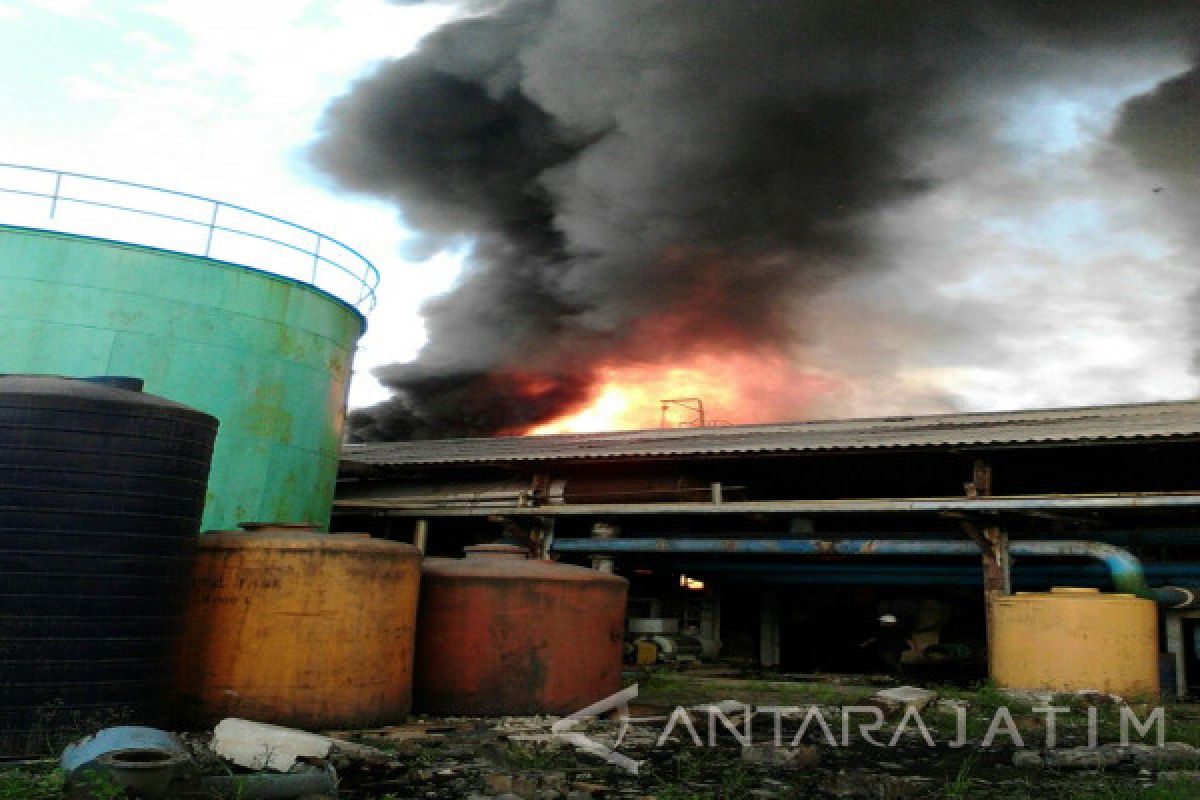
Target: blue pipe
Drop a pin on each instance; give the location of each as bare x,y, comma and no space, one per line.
1147,536
1188,571
1123,566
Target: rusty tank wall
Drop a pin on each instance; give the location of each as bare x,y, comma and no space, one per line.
268,356
302,629
501,634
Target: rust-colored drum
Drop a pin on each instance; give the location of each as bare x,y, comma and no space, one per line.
502,634
303,629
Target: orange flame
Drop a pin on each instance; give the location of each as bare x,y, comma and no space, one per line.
736,389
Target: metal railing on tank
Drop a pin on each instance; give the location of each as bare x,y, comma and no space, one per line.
70,202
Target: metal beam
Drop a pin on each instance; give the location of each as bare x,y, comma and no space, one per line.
1018,503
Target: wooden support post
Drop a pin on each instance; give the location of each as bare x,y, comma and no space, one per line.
543,537
996,574
993,546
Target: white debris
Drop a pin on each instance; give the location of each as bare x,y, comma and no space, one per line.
1030,697
905,697
1095,697
951,705
344,753
724,706
257,745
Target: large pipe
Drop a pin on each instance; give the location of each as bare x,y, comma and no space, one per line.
1027,573
1178,598
1123,566
1140,536
1048,502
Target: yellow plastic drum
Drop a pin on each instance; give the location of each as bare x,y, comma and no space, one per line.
1070,639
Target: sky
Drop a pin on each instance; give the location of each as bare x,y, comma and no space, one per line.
224,99
221,99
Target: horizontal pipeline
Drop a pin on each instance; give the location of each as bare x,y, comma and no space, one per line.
968,573
1123,566
1109,502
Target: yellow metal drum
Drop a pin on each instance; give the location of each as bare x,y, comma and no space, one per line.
303,629
1069,639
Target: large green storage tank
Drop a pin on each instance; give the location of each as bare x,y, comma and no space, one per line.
269,356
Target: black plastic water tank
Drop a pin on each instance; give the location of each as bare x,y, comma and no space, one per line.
101,493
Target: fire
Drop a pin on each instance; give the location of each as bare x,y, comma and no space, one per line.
735,389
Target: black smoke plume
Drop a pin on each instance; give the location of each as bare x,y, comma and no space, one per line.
712,163
1161,129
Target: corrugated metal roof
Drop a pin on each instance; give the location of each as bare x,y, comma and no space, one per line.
1096,423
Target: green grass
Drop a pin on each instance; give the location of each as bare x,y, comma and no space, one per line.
672,792
674,688
1098,787
984,700
735,785
1183,730
102,787
688,766
729,781
959,787
50,783
1112,790
535,756
22,784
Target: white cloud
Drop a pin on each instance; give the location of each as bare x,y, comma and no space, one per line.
1044,276
67,8
220,99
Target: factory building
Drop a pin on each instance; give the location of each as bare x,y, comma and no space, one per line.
784,545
